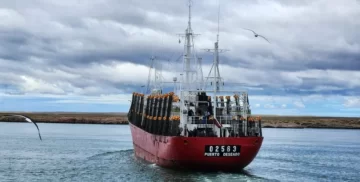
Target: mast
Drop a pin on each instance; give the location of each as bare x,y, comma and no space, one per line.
189,55
189,71
188,50
199,73
215,67
151,66
216,74
154,84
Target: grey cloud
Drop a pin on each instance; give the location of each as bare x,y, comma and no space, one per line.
341,61
70,36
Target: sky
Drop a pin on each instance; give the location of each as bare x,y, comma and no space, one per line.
89,56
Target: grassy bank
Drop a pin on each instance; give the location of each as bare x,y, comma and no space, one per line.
121,118
73,118
311,122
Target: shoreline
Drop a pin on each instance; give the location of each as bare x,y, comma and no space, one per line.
300,128
287,122
275,127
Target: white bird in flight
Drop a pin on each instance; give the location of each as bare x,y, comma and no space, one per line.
256,34
26,119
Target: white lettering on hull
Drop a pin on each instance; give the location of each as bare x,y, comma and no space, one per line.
222,150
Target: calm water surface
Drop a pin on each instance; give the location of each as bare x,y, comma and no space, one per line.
79,152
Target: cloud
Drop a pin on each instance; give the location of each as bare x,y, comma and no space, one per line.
269,106
352,102
299,104
102,48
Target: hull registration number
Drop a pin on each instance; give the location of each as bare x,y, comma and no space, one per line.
222,150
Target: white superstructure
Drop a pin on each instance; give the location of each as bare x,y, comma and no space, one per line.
203,106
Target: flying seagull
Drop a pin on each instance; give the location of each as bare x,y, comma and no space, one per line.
257,35
28,119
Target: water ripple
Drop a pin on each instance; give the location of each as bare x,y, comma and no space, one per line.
104,153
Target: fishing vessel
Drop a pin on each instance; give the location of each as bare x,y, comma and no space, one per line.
198,125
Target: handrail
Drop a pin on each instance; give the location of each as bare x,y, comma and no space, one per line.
236,127
224,119
220,119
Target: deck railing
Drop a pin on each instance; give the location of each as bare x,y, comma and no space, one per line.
236,128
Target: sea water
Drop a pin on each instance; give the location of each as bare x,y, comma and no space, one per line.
81,152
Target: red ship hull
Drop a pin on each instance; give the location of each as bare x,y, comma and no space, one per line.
189,152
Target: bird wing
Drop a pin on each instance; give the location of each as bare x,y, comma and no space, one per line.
28,119
38,130
250,30
264,38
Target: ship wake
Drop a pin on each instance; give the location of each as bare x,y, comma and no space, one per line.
111,153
